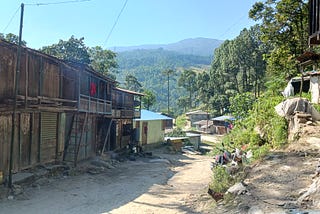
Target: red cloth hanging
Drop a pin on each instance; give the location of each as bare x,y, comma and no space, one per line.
93,89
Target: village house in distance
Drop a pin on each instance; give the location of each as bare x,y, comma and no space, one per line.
60,110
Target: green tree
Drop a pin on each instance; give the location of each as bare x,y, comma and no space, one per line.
75,50
238,67
188,80
102,60
10,37
284,26
132,83
149,99
241,104
71,50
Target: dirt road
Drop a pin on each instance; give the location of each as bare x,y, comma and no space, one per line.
166,184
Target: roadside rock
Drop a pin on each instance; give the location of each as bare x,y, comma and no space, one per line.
237,189
102,163
17,190
312,196
255,210
159,161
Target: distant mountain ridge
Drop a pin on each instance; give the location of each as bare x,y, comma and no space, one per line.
194,46
148,62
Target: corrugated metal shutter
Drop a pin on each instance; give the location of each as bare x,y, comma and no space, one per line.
48,126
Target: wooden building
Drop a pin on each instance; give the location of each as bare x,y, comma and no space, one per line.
60,110
314,22
195,116
151,127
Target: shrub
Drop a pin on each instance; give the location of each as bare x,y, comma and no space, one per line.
181,121
177,132
262,129
221,180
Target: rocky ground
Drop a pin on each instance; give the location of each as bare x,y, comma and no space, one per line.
285,181
165,182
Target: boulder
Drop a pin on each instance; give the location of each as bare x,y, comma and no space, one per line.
237,189
312,196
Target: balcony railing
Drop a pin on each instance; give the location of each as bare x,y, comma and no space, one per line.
94,105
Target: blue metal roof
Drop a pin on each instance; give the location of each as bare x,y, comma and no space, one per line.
150,115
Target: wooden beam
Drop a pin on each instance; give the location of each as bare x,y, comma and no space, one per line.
26,80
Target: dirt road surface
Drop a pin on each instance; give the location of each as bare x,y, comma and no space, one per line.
170,183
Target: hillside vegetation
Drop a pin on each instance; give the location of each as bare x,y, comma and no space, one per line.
148,67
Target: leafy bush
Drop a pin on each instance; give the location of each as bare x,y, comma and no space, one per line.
181,121
262,129
240,104
221,180
177,132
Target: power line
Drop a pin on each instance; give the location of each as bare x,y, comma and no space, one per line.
115,23
231,26
15,13
43,4
59,2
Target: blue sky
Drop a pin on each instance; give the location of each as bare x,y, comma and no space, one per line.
141,22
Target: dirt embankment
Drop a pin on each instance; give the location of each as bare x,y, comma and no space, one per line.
284,181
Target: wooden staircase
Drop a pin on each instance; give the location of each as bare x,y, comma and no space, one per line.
74,138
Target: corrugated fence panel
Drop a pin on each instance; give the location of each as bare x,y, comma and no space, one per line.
48,136
35,138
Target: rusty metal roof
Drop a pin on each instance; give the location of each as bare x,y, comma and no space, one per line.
128,91
308,55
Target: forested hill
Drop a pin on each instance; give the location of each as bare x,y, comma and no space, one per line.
148,65
194,46
159,58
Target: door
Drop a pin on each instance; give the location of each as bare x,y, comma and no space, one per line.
144,139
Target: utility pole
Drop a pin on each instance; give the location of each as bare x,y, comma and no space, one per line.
168,94
168,73
16,87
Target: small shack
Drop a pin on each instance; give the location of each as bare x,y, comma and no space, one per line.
151,127
308,64
195,116
205,126
222,124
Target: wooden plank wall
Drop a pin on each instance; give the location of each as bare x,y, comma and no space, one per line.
7,68
51,83
88,142
69,85
40,75
25,150
5,137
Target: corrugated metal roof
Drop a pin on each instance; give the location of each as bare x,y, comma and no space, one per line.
223,118
150,115
128,91
203,122
196,112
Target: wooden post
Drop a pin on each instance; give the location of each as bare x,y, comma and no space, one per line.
26,82
106,138
30,137
16,86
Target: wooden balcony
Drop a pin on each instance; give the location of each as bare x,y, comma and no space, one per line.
94,105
